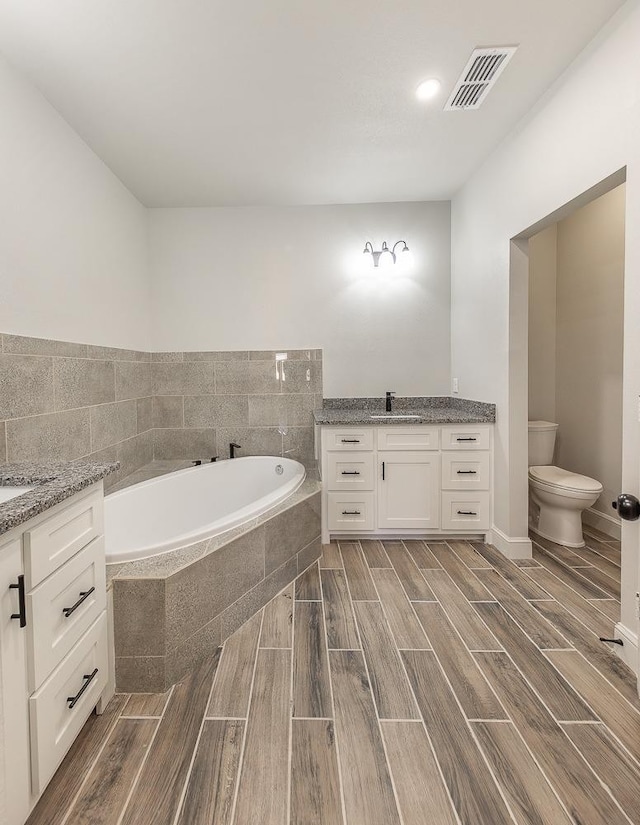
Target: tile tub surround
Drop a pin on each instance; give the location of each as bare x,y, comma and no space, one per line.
61,401
429,409
52,484
173,610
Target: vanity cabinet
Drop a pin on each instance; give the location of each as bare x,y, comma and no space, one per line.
54,658
406,480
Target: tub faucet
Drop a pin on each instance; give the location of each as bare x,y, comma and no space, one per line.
232,449
390,396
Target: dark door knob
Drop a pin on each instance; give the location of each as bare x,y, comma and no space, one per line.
628,507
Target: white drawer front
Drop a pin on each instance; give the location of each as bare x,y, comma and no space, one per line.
353,471
408,438
350,512
466,437
349,438
465,470
50,544
465,511
52,611
54,725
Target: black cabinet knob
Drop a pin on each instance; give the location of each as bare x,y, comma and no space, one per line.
628,507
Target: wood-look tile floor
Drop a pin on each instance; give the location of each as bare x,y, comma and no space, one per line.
396,683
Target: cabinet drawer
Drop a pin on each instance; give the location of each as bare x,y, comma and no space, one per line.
54,724
349,438
50,609
408,438
465,470
466,437
350,512
353,471
50,544
465,511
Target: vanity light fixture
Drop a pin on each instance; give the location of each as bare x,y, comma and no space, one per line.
384,255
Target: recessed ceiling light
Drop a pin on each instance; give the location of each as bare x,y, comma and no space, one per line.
428,89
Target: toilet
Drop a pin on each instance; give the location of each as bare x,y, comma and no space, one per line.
560,496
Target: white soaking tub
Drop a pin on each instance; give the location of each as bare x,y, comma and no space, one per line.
192,505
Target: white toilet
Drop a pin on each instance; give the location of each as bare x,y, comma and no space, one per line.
560,495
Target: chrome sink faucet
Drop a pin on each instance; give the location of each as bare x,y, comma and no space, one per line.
390,397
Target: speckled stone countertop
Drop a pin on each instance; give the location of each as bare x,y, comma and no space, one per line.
426,409
52,484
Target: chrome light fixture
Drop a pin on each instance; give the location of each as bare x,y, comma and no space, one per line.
384,255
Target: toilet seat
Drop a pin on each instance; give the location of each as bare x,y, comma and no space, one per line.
555,477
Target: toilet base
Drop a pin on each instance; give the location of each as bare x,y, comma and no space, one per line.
560,526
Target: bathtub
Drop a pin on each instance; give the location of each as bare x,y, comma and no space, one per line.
192,505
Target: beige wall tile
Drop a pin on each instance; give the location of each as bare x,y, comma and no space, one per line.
229,355
111,423
26,385
144,410
3,443
133,380
281,410
238,377
139,617
79,382
187,378
168,411
43,346
184,444
302,376
216,410
53,437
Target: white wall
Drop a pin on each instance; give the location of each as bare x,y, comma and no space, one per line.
542,324
584,131
73,240
262,278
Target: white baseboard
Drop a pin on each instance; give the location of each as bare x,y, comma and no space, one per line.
629,651
602,521
512,548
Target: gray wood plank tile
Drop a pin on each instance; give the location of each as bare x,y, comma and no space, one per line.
311,690
601,580
367,788
340,622
565,555
315,783
578,788
529,794
103,797
308,585
467,554
53,805
608,551
616,769
330,558
560,698
146,704
264,779
160,784
469,685
212,783
471,587
232,688
570,576
526,563
517,578
422,556
357,572
475,633
541,632
409,574
405,627
374,553
278,620
614,710
607,567
419,784
610,608
471,786
389,684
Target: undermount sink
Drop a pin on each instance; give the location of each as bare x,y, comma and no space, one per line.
7,493
394,417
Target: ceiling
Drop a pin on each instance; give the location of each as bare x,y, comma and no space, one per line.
205,103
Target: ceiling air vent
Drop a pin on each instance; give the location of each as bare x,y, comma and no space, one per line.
483,69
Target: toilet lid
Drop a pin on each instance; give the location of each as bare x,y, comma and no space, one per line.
557,477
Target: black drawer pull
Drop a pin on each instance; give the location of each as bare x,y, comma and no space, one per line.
22,609
466,513
350,473
350,440
466,439
466,472
383,470
88,678
84,595
351,512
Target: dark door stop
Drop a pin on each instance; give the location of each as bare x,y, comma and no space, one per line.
613,641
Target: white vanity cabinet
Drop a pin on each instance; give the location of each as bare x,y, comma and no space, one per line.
53,641
406,479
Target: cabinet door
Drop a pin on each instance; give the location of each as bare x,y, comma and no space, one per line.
14,709
409,490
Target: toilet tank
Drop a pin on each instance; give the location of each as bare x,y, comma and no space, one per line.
542,441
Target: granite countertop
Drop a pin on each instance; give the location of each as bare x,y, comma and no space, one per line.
52,484
427,409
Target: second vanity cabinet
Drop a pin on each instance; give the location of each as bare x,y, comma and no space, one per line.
409,479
